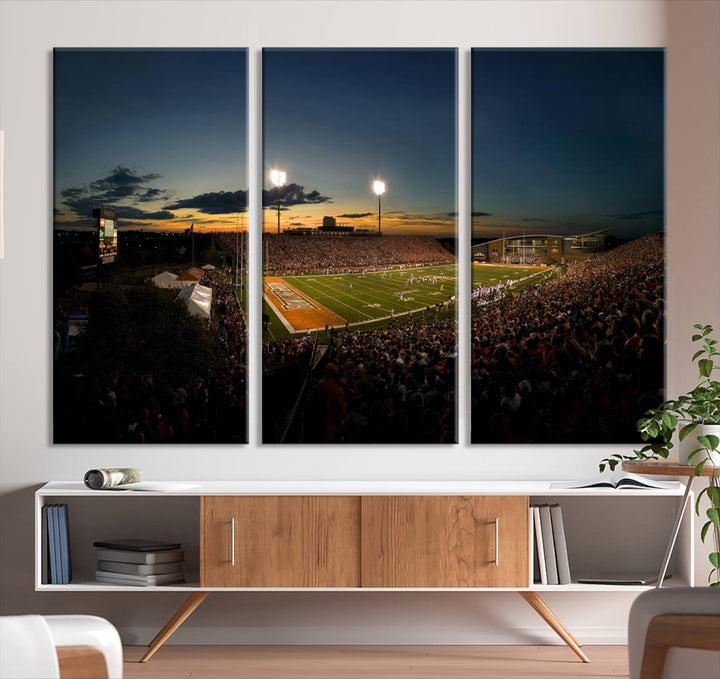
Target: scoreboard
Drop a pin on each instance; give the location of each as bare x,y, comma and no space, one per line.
107,224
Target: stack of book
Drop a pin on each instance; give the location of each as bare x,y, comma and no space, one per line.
552,565
56,564
142,563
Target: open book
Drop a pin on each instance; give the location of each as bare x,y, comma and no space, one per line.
618,481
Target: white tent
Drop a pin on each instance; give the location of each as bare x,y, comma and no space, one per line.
198,299
164,280
208,267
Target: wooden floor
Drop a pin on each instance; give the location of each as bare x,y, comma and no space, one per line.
375,662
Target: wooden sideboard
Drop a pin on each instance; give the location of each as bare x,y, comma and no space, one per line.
355,536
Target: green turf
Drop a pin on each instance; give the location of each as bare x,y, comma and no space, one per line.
368,302
364,299
490,274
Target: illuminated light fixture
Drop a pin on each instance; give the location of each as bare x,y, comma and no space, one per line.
379,188
278,178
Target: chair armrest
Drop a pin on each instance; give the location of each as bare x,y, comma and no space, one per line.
81,662
677,631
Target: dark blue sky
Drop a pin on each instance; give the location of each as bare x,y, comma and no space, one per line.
568,141
159,133
334,120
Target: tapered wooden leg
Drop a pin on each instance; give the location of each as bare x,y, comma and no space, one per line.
546,613
181,615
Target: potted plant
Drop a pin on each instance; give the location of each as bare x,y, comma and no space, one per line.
695,413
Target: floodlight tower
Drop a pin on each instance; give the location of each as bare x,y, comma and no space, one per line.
379,188
278,178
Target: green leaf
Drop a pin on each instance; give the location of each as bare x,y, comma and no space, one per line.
715,559
688,428
704,530
714,516
695,338
713,493
694,454
699,467
706,367
713,441
709,441
697,354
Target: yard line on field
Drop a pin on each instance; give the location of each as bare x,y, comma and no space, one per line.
339,301
280,316
388,299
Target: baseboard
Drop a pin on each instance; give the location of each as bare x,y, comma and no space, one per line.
376,636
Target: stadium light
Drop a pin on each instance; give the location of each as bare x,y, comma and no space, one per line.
379,188
278,178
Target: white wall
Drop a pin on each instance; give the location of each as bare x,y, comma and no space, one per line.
29,31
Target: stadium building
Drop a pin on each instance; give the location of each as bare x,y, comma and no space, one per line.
540,249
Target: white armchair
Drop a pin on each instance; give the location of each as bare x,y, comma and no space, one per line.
59,647
674,633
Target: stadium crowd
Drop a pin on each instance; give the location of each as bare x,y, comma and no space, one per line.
300,254
391,385
150,408
575,359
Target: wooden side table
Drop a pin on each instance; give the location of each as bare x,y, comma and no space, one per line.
669,468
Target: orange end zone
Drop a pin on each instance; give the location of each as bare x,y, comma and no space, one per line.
297,310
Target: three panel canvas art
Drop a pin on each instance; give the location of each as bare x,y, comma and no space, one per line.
360,236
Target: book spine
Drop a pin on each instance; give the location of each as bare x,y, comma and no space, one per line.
54,545
45,563
561,551
549,545
64,545
540,546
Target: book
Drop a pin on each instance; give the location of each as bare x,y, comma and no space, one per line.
142,580
54,556
549,545
45,558
64,533
126,556
619,482
622,579
56,578
561,552
139,568
137,545
540,546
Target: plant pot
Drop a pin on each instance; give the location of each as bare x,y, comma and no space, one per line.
690,443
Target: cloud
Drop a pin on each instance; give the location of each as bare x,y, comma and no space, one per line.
355,215
213,203
639,215
534,219
297,224
120,187
292,194
472,214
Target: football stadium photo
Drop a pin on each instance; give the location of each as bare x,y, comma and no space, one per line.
359,247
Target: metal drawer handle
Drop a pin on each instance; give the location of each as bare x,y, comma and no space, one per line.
497,542
232,542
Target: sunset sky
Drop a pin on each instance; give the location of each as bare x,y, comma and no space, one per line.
158,134
334,120
567,141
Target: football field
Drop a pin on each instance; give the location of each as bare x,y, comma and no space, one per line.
298,303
